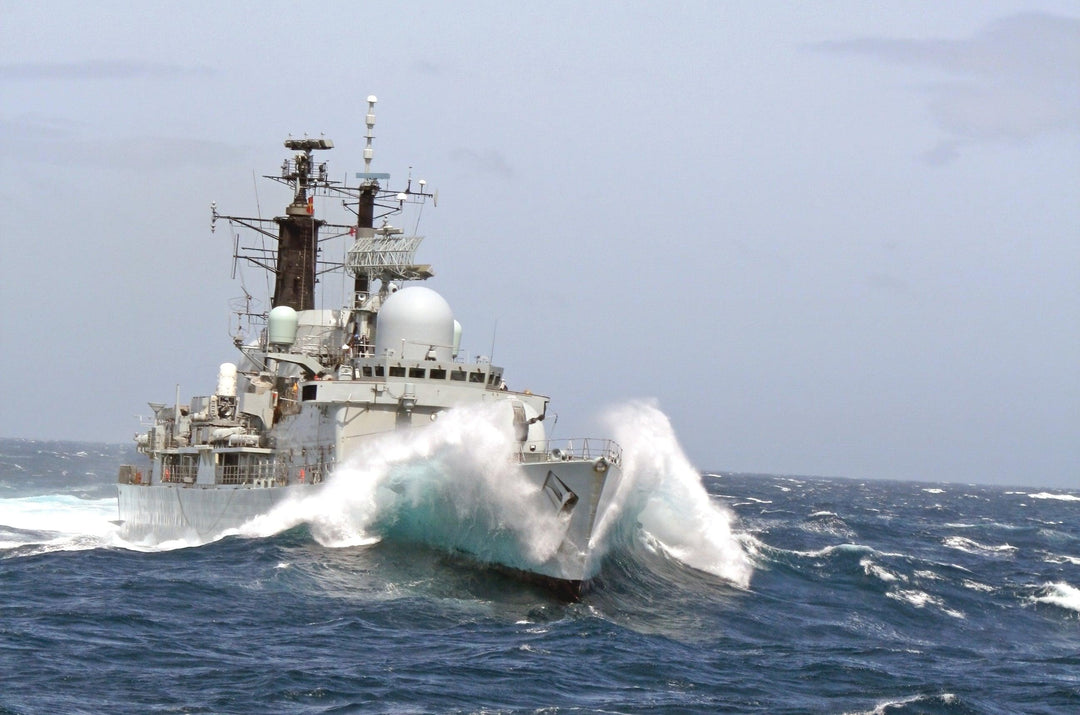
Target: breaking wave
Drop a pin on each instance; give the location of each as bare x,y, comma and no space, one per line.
1061,595
661,499
452,485
1059,497
56,522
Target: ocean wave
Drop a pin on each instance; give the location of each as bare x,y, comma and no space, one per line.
1059,497
768,551
827,522
449,485
922,599
880,572
917,703
971,546
1059,594
1061,559
56,522
662,494
977,586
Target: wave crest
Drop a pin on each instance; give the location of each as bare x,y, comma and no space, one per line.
662,494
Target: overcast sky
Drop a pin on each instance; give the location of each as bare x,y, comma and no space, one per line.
835,238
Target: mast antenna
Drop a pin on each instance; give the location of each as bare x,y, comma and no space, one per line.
369,152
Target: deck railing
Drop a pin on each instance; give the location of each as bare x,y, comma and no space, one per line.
587,448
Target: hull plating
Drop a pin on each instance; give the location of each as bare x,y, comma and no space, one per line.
568,497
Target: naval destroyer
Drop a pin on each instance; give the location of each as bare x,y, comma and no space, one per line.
313,384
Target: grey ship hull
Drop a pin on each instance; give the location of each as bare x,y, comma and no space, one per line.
573,490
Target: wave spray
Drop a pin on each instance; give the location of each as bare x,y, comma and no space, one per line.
452,485
661,501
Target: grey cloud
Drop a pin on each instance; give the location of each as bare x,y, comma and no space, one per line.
97,70
489,161
427,67
1017,79
63,143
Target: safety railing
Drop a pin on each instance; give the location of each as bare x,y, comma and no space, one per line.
578,448
179,473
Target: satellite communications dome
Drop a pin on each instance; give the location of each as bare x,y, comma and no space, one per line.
422,319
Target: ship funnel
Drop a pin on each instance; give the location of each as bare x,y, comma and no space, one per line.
282,325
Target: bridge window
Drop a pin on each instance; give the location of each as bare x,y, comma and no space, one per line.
416,372
438,373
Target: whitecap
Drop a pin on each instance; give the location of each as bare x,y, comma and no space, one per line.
58,522
976,586
889,705
921,599
1059,497
971,546
662,495
1060,594
933,490
880,572
1061,559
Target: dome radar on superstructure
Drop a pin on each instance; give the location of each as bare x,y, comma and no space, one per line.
416,323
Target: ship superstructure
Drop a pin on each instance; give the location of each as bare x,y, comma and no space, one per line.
314,383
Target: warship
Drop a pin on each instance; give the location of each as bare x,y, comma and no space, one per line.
313,385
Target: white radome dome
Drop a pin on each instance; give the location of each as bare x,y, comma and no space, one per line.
419,316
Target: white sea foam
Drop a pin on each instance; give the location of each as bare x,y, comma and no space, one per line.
1059,497
661,491
921,599
934,490
58,522
977,586
1061,559
1060,594
971,546
889,705
880,572
451,484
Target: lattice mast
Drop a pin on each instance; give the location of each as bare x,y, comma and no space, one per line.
378,253
298,229
383,253
365,210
